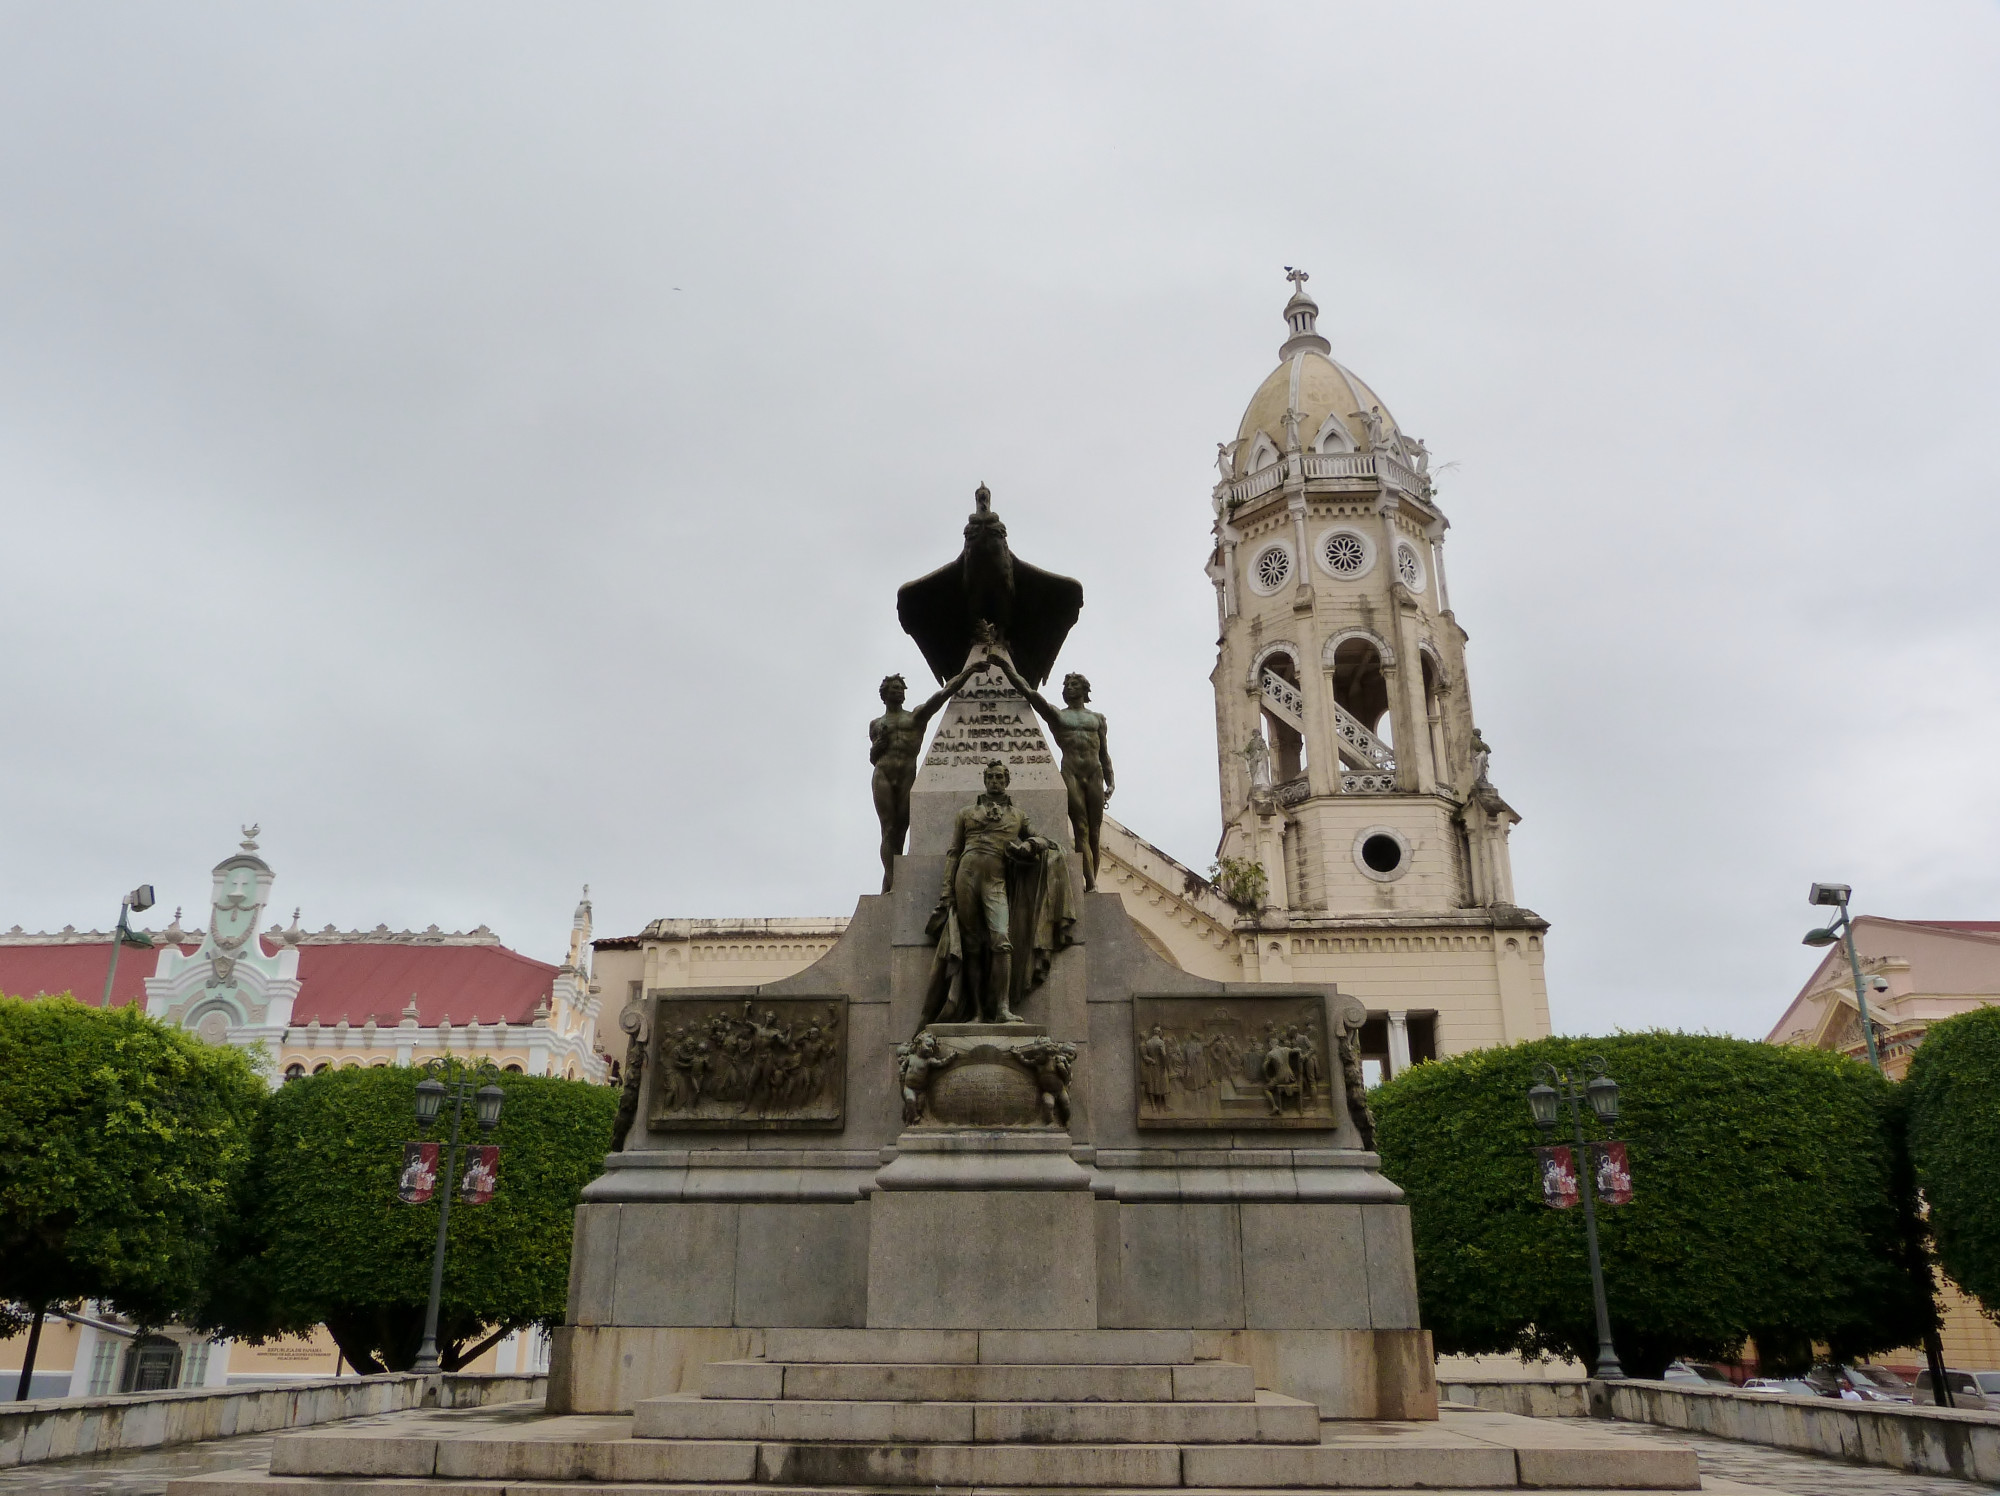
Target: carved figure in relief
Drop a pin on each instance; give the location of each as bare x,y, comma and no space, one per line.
1349,1042
1281,1077
753,1062
1153,1070
917,1062
1052,1061
1005,889
894,740
1083,737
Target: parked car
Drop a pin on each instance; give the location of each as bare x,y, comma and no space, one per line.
1877,1385
1852,1384
1696,1371
1782,1386
1975,1391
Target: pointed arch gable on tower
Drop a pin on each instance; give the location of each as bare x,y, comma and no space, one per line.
1333,435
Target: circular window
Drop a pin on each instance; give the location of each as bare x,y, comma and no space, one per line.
1408,568
1382,853
1345,553
1271,568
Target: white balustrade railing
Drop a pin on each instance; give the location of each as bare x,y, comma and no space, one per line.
1364,743
1366,782
1285,701
1385,465
1292,791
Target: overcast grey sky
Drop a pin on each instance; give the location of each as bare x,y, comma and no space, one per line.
482,443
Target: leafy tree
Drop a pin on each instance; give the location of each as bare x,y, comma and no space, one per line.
326,1241
120,1140
1954,1129
1769,1202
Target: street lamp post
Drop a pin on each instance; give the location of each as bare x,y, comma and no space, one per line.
458,1082
138,901
1836,896
1553,1090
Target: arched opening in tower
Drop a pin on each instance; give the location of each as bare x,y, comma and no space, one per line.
1287,742
1361,691
1434,713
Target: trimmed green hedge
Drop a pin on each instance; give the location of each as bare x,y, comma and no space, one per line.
325,1239
1768,1203
1954,1096
120,1140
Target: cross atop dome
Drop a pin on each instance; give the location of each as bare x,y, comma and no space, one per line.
1300,314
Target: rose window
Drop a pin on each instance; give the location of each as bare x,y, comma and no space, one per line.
1273,567
1345,553
1409,568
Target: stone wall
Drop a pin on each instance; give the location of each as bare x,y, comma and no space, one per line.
1924,1441
54,1429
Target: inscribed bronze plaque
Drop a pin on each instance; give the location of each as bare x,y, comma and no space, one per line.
1235,1062
739,1064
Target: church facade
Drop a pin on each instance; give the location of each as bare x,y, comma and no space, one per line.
1363,840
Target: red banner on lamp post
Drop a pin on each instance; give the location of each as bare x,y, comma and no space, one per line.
482,1174
1559,1186
1614,1174
420,1169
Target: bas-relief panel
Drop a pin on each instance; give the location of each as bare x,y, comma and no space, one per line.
769,1064
1234,1062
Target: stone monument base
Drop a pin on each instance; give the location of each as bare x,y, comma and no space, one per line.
982,1230
859,1410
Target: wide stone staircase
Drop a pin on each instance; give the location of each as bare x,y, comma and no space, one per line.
855,1410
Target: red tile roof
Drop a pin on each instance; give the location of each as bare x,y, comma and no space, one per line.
354,980
462,982
45,970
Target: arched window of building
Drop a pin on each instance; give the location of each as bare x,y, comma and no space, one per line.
321,1068
512,1069
295,1071
1361,703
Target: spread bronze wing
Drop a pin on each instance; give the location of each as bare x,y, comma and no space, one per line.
932,611
1045,610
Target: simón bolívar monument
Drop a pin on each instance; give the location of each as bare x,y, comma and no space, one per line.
989,1196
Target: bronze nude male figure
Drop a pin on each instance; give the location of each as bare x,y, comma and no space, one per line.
1081,734
894,740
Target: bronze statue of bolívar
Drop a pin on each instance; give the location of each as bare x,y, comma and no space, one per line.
1006,891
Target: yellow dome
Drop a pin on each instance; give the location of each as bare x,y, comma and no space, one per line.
1333,404
1320,390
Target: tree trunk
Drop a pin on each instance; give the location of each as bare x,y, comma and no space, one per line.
28,1362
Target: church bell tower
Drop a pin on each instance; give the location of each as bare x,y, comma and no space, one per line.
1362,836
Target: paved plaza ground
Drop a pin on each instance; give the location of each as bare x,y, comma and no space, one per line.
1727,1466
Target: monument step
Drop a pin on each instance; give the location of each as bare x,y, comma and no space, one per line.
984,1347
1271,1419
1394,1457
1202,1381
